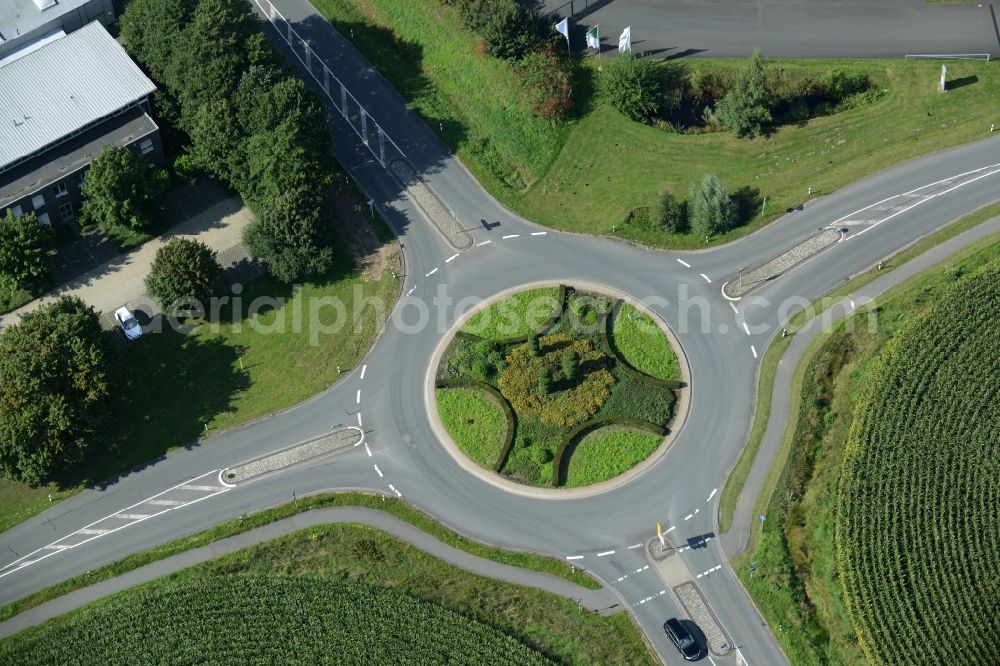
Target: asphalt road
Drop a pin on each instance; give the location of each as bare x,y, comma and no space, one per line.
386,396
788,28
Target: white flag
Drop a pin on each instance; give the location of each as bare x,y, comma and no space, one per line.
625,41
563,28
593,38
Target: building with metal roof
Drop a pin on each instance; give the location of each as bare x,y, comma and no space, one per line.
23,22
60,104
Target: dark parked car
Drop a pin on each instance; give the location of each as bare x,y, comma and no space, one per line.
682,639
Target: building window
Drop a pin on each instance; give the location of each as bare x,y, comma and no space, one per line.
66,212
38,201
44,219
61,190
16,211
146,146
81,178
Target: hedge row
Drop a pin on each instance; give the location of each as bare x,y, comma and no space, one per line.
505,407
559,470
609,348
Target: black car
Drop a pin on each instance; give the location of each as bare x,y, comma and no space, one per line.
682,639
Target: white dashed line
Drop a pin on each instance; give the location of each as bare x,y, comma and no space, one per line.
607,552
754,350
671,529
166,502
51,546
699,575
364,369
696,511
90,531
621,578
712,494
539,233
707,279
574,557
367,450
208,489
412,289
451,259
132,516
683,263
635,545
689,516
483,243
433,271
357,399
641,569
733,306
393,489
746,328
510,236
359,419
378,471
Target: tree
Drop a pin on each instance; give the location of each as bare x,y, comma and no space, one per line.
152,29
533,348
215,142
545,382
570,365
55,388
669,214
120,192
548,79
290,235
633,86
510,28
24,249
710,208
747,107
182,270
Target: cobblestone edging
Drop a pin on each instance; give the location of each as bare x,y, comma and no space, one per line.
781,263
431,205
339,439
694,603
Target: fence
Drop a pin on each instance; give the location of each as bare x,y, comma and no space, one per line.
574,6
950,56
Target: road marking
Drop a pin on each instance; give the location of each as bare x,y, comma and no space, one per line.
412,289
357,399
689,516
359,419
621,578
483,243
707,279
607,552
53,546
661,592
539,233
641,569
574,557
712,494
635,545
378,471
671,529
364,369
510,236
699,575
852,305
393,489
754,350
683,263
433,271
188,486
696,511
132,516
90,531
451,258
166,502
733,306
746,328
367,450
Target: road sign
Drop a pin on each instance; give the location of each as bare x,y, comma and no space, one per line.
762,518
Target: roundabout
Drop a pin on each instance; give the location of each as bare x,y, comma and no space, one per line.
541,387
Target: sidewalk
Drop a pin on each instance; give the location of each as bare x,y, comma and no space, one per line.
120,280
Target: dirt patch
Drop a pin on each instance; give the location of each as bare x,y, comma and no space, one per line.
355,226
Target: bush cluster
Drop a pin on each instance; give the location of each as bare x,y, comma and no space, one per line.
709,210
251,122
182,270
24,251
637,399
121,192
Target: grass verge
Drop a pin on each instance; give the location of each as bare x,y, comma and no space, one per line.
605,453
796,582
338,558
516,315
390,505
641,342
474,421
776,349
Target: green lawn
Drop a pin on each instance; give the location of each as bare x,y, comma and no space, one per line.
605,453
586,175
644,345
333,561
474,421
516,315
796,584
182,386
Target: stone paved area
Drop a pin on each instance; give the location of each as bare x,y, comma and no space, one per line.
694,602
339,439
781,263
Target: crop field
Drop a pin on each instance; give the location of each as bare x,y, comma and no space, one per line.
918,516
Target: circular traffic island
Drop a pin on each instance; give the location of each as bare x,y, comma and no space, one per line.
559,387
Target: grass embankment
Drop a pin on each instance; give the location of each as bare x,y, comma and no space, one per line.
330,592
180,386
641,342
474,419
772,355
390,505
516,315
608,452
561,177
796,582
